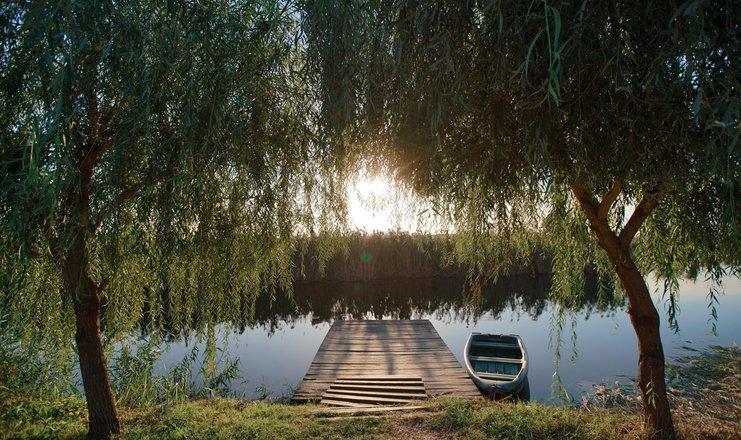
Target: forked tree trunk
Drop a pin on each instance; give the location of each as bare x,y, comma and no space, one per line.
643,314
102,415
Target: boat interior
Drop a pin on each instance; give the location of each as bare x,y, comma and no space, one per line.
496,357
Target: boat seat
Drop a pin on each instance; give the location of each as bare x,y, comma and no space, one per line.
496,376
496,359
494,344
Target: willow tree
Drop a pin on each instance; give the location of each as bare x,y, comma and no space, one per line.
147,138
612,127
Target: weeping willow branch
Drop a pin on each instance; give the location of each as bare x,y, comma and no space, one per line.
127,194
643,210
604,207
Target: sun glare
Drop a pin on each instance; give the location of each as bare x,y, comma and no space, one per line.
376,204
370,205
375,187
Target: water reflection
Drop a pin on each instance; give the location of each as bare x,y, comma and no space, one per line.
438,298
278,338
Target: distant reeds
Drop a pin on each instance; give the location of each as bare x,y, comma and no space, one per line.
387,255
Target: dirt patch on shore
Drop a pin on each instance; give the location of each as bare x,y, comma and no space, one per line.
705,392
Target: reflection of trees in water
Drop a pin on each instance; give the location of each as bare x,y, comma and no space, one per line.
441,298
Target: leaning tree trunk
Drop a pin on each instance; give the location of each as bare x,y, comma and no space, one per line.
102,415
651,381
643,314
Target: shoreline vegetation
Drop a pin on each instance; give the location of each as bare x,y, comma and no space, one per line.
705,392
397,254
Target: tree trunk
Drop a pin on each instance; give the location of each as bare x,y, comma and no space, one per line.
651,381
102,415
643,314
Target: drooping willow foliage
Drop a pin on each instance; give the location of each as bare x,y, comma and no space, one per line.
186,144
491,108
208,165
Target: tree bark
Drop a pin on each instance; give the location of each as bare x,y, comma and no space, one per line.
642,312
651,379
103,418
102,414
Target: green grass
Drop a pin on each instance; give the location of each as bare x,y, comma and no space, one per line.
227,419
705,407
230,418
36,418
24,418
532,421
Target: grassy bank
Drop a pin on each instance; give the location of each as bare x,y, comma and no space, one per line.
446,418
229,418
705,390
705,394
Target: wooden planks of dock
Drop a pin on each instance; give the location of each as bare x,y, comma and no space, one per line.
383,362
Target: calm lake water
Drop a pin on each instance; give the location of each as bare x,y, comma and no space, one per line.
275,353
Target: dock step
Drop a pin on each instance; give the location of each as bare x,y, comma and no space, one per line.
374,391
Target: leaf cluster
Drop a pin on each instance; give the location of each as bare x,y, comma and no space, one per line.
492,109
175,138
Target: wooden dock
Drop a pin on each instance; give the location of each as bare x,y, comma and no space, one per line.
369,363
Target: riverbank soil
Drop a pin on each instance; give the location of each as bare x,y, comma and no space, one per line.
705,391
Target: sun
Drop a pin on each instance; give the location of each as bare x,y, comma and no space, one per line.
370,204
377,203
374,187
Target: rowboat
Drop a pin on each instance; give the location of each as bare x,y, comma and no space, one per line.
497,364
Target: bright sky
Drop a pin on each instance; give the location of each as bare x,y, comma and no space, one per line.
376,204
369,205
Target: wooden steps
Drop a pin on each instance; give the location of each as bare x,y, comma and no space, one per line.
373,391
